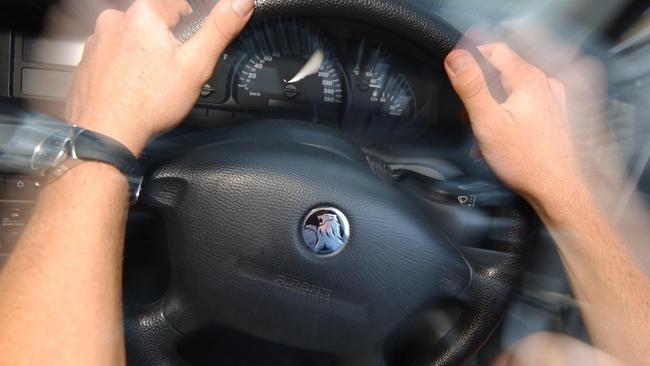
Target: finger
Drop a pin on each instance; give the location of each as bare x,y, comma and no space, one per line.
223,24
469,82
478,35
516,73
169,11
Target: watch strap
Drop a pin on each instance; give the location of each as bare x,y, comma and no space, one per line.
92,146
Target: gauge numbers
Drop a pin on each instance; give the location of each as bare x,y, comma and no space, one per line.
382,100
289,65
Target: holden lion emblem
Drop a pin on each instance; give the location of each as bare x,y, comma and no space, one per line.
325,230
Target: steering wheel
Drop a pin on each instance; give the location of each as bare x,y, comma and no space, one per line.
283,231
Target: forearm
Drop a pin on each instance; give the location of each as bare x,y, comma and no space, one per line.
613,291
64,278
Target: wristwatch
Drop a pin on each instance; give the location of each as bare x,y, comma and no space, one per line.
45,147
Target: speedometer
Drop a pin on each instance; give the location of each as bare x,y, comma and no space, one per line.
290,66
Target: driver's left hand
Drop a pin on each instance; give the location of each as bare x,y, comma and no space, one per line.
136,79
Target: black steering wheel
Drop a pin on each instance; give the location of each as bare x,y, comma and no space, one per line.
282,230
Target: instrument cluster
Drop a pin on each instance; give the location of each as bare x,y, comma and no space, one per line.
337,75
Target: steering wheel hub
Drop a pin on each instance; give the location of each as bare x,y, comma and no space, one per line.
232,209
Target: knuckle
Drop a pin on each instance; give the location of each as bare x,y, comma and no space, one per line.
501,46
182,4
535,75
140,6
106,19
472,87
222,29
103,17
140,14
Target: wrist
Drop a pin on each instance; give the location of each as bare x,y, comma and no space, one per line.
561,204
109,174
135,141
90,176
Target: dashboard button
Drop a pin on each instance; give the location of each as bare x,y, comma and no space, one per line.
20,188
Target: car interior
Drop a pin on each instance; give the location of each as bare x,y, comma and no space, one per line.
333,105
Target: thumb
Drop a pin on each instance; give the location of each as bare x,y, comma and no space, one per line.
469,82
223,24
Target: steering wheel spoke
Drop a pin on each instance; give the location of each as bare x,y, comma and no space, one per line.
154,331
150,337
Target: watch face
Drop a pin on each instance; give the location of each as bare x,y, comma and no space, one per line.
34,144
53,152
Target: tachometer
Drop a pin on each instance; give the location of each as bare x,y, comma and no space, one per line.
382,100
289,65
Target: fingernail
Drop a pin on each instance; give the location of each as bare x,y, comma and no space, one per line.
243,7
459,63
189,9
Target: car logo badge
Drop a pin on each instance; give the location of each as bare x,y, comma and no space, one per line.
325,230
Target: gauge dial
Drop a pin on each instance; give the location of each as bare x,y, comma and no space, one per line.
289,65
382,99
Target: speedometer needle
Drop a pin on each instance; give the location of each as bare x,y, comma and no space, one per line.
311,67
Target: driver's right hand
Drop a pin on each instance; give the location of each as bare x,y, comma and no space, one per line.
526,140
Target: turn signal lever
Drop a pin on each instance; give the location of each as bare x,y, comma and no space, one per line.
461,191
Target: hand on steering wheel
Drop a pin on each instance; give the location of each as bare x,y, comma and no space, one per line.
136,80
520,136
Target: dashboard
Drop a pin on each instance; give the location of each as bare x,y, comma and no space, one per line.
372,85
360,81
